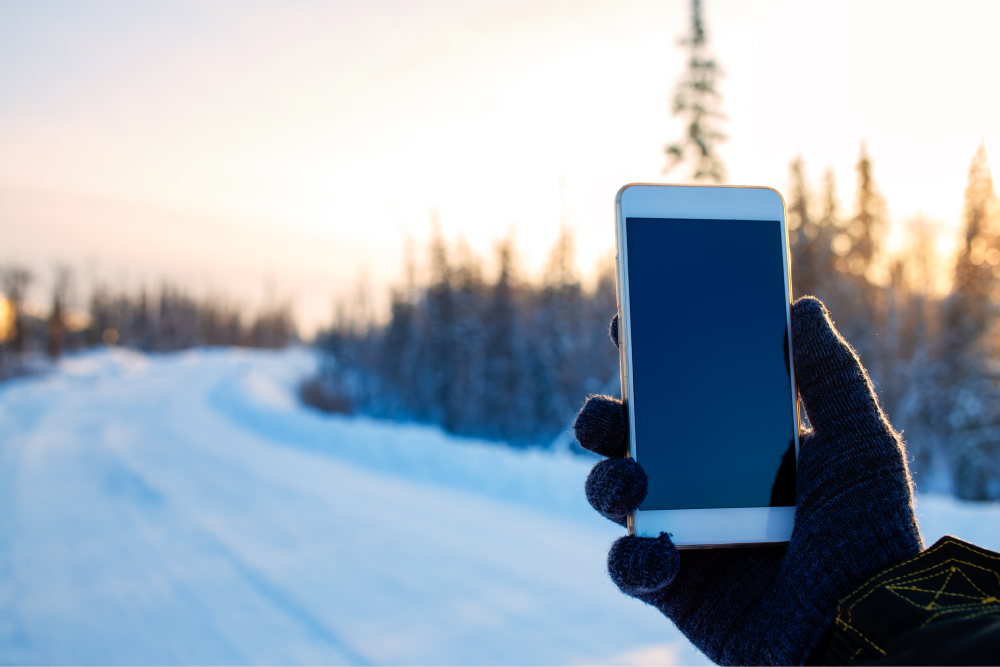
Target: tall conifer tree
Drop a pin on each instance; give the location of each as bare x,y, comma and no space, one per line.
801,233
975,275
697,102
970,318
868,225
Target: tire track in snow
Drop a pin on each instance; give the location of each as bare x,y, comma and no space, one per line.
281,600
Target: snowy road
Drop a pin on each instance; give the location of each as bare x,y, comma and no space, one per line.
183,509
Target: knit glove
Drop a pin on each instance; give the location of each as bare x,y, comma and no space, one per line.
853,516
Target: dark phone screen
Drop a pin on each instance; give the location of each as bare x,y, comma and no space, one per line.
711,387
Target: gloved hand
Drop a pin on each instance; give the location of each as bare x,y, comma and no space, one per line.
854,516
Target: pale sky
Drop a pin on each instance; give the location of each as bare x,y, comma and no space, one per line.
292,146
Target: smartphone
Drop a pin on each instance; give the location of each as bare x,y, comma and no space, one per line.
704,307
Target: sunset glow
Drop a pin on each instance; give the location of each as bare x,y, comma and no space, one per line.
293,147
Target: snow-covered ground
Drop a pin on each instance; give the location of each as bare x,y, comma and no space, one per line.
185,509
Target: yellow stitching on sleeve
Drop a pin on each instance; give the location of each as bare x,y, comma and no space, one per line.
895,589
983,598
946,541
936,566
981,612
858,632
951,573
879,581
966,577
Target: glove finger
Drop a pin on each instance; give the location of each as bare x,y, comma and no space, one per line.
832,382
616,488
601,426
613,330
641,566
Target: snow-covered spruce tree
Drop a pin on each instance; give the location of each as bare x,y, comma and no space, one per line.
471,296
968,349
798,206
810,237
868,224
505,402
401,347
556,334
439,331
56,325
910,389
697,102
854,298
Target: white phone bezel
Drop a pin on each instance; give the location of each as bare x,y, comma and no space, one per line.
710,527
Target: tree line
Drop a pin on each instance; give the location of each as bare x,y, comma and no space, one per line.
163,320
512,359
933,356
506,359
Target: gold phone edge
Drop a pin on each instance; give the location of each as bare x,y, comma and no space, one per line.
623,356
